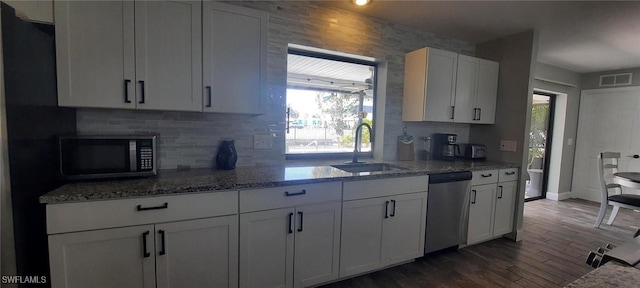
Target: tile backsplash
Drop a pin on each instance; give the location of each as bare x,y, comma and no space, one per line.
185,138
191,138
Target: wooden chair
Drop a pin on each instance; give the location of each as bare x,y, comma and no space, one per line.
607,166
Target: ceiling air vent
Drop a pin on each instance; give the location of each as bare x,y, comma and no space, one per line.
616,79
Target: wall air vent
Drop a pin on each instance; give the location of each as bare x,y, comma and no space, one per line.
616,79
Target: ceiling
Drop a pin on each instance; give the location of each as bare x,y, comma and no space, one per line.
325,74
581,36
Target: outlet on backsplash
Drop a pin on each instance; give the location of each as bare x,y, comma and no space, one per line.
262,141
508,145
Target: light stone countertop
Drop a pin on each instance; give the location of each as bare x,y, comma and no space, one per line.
611,274
251,177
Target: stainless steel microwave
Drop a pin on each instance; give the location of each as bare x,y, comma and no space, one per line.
100,157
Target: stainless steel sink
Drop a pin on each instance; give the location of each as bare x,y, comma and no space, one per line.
367,167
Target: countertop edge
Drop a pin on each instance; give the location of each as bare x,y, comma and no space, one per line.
52,198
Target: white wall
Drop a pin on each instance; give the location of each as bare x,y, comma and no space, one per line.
34,10
592,80
517,56
565,125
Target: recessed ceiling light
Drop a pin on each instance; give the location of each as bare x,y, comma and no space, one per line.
361,2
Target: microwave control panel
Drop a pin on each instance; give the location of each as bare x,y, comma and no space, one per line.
145,150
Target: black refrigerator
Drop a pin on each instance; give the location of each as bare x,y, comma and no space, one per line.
33,120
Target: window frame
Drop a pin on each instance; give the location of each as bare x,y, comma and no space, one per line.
336,155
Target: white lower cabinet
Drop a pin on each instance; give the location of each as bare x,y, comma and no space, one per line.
290,247
195,253
188,240
481,207
505,207
103,258
382,231
361,244
266,248
290,235
492,204
317,244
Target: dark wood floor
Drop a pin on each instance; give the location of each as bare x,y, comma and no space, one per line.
557,238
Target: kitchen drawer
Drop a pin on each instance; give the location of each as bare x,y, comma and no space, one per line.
510,174
364,189
289,196
91,215
484,177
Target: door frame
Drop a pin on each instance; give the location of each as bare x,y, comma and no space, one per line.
547,145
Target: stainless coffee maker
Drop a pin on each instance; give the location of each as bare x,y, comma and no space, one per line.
445,147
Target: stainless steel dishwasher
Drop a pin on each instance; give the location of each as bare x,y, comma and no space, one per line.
447,210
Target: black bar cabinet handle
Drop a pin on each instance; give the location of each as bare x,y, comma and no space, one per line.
286,193
126,91
509,173
386,210
145,253
486,175
163,206
288,116
301,218
208,96
162,248
453,111
479,114
141,92
500,187
473,201
290,223
393,212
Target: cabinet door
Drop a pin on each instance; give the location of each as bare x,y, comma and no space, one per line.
404,229
235,58
481,213
266,248
487,91
103,258
95,61
168,55
441,85
317,244
505,204
198,253
361,236
466,83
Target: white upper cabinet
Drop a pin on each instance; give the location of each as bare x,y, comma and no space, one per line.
476,90
95,61
235,58
429,85
443,86
126,54
466,89
168,55
487,91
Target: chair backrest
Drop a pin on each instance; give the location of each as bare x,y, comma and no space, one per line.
607,166
536,163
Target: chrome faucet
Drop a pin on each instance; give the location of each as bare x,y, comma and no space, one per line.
358,131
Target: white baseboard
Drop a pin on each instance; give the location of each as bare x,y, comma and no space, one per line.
518,235
558,196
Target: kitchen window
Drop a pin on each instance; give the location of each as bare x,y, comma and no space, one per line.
328,96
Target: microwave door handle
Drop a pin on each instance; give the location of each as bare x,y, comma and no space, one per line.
133,161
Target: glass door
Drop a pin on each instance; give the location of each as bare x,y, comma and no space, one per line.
539,140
